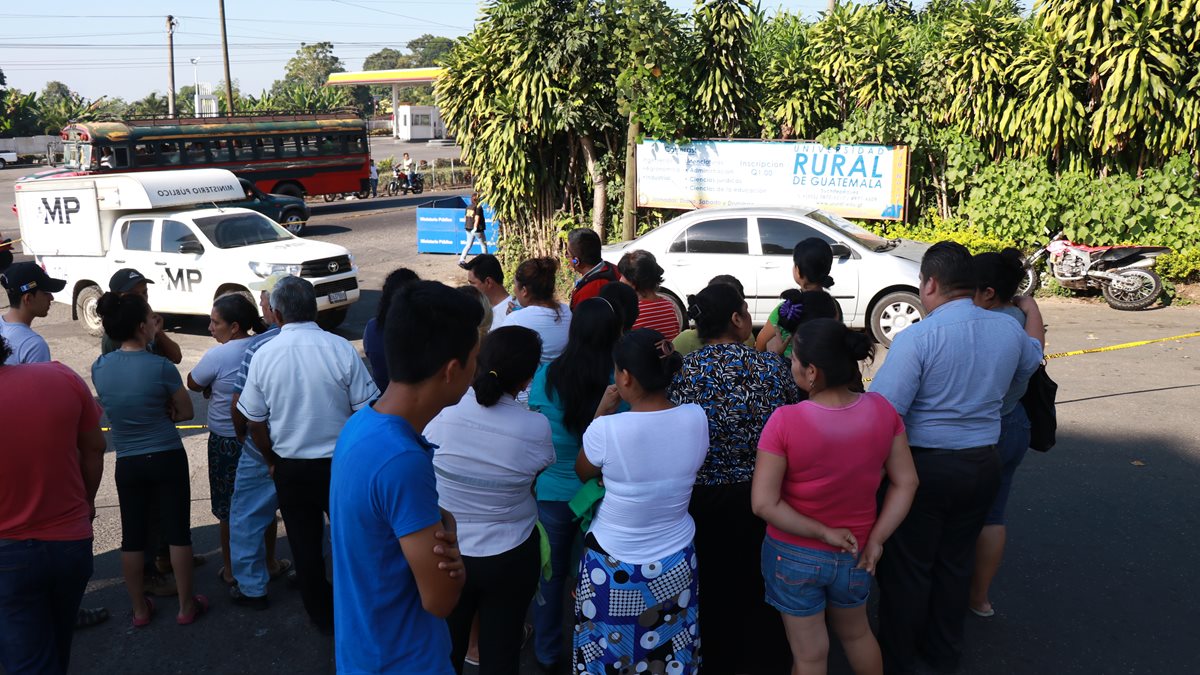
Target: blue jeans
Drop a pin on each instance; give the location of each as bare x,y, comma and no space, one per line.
1012,446
41,584
800,581
563,529
251,512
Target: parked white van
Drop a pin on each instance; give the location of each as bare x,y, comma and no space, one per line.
171,227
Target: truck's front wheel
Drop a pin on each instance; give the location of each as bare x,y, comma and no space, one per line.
330,319
85,309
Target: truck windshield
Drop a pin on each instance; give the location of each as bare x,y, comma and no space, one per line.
233,230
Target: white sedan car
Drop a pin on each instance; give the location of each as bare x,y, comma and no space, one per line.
875,279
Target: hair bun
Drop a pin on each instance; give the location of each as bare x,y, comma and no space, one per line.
827,281
859,345
693,310
108,304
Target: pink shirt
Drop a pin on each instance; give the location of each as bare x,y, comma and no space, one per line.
835,459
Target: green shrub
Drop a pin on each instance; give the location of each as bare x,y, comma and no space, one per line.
933,229
1182,266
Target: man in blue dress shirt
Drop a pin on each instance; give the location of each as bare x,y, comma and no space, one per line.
947,376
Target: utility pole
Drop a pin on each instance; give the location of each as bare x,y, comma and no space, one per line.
171,23
832,5
225,49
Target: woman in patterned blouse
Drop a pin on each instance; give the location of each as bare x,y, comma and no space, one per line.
738,388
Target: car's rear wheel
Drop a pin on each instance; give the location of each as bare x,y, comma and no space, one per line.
289,189
893,313
677,304
293,221
85,309
3,163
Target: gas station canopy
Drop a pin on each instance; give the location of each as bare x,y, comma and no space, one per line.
402,77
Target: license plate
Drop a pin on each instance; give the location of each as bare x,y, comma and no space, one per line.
337,296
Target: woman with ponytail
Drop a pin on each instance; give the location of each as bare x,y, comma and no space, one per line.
232,319
637,603
812,259
738,388
996,278
490,449
533,288
144,397
818,469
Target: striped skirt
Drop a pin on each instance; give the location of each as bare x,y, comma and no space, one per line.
637,618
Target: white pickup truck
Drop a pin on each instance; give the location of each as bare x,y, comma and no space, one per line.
171,227
7,157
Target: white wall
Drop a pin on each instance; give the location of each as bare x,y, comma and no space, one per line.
31,145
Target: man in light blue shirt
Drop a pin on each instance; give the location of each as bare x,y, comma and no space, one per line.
947,376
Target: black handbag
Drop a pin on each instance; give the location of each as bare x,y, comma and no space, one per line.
1039,406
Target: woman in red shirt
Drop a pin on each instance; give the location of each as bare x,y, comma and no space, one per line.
819,466
640,270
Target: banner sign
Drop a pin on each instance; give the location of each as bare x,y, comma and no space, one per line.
852,181
441,226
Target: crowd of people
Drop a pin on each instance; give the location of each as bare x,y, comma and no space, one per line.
707,501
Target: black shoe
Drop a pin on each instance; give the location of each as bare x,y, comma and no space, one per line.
255,602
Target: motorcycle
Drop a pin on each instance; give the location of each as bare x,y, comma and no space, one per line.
403,183
1122,273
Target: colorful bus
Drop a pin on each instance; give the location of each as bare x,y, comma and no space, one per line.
296,155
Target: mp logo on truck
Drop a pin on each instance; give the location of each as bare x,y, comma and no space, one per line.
61,210
183,279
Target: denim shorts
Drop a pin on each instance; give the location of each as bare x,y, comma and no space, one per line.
800,581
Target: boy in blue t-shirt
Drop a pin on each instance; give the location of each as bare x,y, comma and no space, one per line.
397,572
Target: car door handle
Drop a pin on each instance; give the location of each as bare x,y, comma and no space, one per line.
160,263
119,262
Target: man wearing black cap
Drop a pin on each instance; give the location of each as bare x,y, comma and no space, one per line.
30,292
128,280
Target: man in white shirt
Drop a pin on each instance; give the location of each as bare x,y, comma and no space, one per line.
301,388
30,292
374,180
484,272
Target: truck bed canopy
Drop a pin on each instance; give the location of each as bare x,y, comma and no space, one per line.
146,190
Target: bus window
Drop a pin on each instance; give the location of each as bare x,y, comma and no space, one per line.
121,157
332,145
146,155
291,146
243,149
197,153
219,150
263,148
308,145
169,154
358,144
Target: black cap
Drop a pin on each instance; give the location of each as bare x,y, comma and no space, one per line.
26,277
125,279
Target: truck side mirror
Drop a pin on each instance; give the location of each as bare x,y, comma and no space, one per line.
191,247
840,250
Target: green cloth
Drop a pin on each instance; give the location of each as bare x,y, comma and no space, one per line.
544,551
586,501
783,334
689,341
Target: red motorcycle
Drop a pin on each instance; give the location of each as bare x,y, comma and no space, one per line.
1122,273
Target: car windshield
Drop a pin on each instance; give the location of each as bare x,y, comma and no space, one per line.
859,234
233,230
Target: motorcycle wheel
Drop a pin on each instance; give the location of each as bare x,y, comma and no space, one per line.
1134,289
330,198
1030,281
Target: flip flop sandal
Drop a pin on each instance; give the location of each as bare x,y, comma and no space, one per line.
142,623
285,566
221,577
201,609
86,618
988,613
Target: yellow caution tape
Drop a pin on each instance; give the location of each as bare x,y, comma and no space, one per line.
1077,352
1125,345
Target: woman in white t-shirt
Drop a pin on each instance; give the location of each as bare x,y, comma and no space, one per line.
233,317
533,288
636,606
490,450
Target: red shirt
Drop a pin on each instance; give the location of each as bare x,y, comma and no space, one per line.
835,458
589,285
41,488
658,314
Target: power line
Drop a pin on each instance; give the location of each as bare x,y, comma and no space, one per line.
402,16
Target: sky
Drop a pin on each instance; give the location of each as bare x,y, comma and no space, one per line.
118,48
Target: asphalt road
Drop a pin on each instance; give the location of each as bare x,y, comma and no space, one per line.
1103,529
